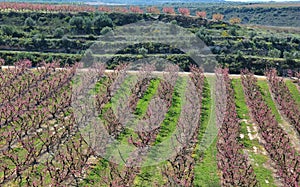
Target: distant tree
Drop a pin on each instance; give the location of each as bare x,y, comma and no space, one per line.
8,30
239,55
105,30
136,9
42,20
201,14
77,23
143,51
66,43
225,33
173,22
29,22
104,9
184,11
295,40
252,34
58,33
296,54
88,57
39,41
232,31
275,53
121,9
204,36
2,61
287,55
217,17
153,10
101,21
88,25
235,20
169,10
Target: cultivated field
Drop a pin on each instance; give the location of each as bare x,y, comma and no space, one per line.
255,142
174,101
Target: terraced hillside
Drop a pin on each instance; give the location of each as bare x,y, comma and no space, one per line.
65,32
91,97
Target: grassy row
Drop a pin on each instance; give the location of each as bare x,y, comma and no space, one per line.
123,148
100,169
294,91
142,105
258,159
170,122
206,171
264,88
151,175
96,172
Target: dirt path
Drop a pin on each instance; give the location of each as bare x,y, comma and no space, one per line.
154,72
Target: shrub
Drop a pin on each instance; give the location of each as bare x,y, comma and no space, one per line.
143,51
235,20
153,10
102,21
275,53
218,17
106,30
8,30
58,33
173,22
201,14
77,22
169,10
29,22
184,11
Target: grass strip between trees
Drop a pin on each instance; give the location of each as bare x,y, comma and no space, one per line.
294,91
151,175
206,171
258,160
264,89
141,109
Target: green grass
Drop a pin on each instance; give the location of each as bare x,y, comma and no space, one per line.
123,92
242,111
142,105
206,171
140,112
96,173
241,107
151,174
101,167
120,95
294,91
262,173
169,123
264,88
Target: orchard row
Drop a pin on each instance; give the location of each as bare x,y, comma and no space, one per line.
107,9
